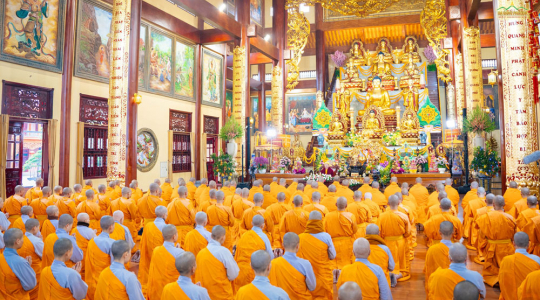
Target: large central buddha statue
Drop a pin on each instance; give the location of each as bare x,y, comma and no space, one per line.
379,97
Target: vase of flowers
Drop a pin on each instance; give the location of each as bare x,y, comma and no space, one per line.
231,131
478,123
282,168
260,163
422,163
442,164
285,162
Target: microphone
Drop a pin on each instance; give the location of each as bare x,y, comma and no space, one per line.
535,156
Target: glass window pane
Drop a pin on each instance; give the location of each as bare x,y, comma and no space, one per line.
9,165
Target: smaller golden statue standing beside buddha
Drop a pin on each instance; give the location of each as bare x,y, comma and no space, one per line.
378,97
410,48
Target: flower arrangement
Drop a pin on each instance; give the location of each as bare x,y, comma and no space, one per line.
396,168
442,163
317,177
338,58
384,172
231,130
223,164
486,162
478,122
420,160
260,162
285,162
392,139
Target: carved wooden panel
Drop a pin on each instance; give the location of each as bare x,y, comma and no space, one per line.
94,110
26,101
179,121
211,125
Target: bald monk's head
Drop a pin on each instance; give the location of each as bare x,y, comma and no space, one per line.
170,233
474,185
186,264
439,187
161,212
77,188
121,252
133,185
107,224
118,216
532,201
489,199
315,215
281,197
257,183
19,190
513,184
112,184
341,203
368,196
366,179
372,229
458,253
332,188
89,195
399,196
157,181
393,179
245,193
291,242
393,202
212,185
238,192
300,187
350,290
361,248
375,185
266,188
345,183
62,249
81,218
498,203
442,195
258,199
32,226
298,201
201,218
126,192
57,190
447,230
212,194
445,205
405,191
258,221
466,290
182,192
220,197
67,192
204,181
27,210
13,238
154,189
314,184
525,192
181,182
316,197
102,188
52,212
88,182
521,240
481,192
283,182
336,178
357,196
260,263
219,234
46,192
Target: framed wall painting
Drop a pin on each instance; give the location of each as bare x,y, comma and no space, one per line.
228,103
25,41
212,78
255,112
491,101
147,149
255,11
160,62
300,111
94,41
184,70
268,111
143,47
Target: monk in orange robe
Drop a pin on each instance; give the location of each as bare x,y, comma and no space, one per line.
341,225
229,200
35,192
65,223
498,228
436,208
294,220
437,255
365,188
515,268
269,199
280,188
526,215
136,192
442,282
39,205
103,200
329,201
392,188
121,232
88,185
32,247
323,189
249,213
166,191
293,274
475,237
250,242
127,206
51,224
529,288
226,188
470,214
219,214
239,206
532,229
26,213
197,239
434,198
12,205
69,284
410,202
78,196
411,215
380,253
421,194
274,184
200,189
511,195
471,195
110,191
216,268
83,235
148,203
276,211
452,193
185,265
98,255
292,188
66,205
373,207
90,207
56,195
300,192
204,197
152,238
316,204
310,187
162,267
521,204
190,185
395,229
181,214
431,227
256,188
378,197
317,247
117,190
346,192
207,201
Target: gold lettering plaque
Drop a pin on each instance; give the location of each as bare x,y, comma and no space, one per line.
277,100
472,56
239,95
460,89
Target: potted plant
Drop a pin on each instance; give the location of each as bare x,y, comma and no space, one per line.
285,162
478,123
282,168
223,165
485,162
260,163
421,163
231,131
442,164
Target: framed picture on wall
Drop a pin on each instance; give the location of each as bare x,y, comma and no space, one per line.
228,103
184,70
160,62
268,110
147,149
491,101
300,111
256,11
25,41
212,78
255,112
143,48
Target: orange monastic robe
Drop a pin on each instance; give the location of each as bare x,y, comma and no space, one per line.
433,199
329,201
471,195
147,207
67,206
499,229
453,195
110,287
93,210
19,224
247,219
10,285
275,190
468,217
151,239
33,193
191,190
323,189
136,194
246,245
219,214
318,207
26,250
436,257
436,210
230,199
110,193
162,272
432,226
269,199
525,217
341,226
528,290
182,215
276,211
514,269
13,206
394,229
316,251
532,229
518,207
346,192
198,192
374,208
306,199
510,197
421,195
82,242
131,214
212,275
47,229
285,276
391,190
379,198
361,274
166,192
48,254
378,255
239,206
441,284
292,188
294,220
365,188
95,262
253,191
49,289
40,209
194,242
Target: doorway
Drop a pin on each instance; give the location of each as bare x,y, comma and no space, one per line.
211,146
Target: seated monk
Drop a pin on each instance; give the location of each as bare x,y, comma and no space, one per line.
373,207
26,213
515,268
59,281
411,215
392,188
57,194
365,188
341,225
249,213
126,204
135,191
198,238
469,216
435,209
300,192
317,247
12,206
410,201
88,185
83,235
370,277
78,196
51,224
471,195
66,205
216,266
250,242
219,214
511,195
323,189
329,201
421,195
191,188
184,288
208,200
269,199
498,228
90,207
433,198
530,289
4,222
18,277
260,287
35,192
346,192
532,229
476,237
361,213
316,204
437,255
431,227
294,220
291,273
200,189
226,188
452,193
39,205
526,215
121,232
280,188
466,290
276,211
292,188
239,206
442,282
166,190
98,255
152,238
181,214
162,268
110,192
380,254
521,204
257,188
237,195
148,203
395,228
32,247
104,200
377,196
115,281
350,290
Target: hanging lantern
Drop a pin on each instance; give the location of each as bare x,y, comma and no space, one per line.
492,77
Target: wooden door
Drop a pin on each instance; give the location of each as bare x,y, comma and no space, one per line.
211,148
14,157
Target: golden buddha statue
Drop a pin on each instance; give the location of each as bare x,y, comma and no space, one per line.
411,71
409,124
371,125
336,127
410,49
379,97
381,68
411,96
357,54
352,72
384,47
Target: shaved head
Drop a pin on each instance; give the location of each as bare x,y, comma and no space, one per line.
298,201
458,253
89,194
182,191
367,179
169,231
27,210
316,196
341,203
57,189
350,290
372,229
185,263
218,232
368,196
102,188
446,228
31,224
481,192
466,290
532,201
81,217
245,192
118,216
300,187
61,247
119,248
281,197
66,192
201,218
161,212
260,260
521,240
258,199
258,221
498,203
442,195
52,211
332,188
393,179
357,195
77,188
315,215
474,185
513,184
525,192
266,188
106,222
11,236
375,185
212,184
154,188
212,194
361,248
446,204
126,192
489,199
418,180
290,241
393,201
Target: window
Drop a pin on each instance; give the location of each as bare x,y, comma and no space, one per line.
180,123
94,112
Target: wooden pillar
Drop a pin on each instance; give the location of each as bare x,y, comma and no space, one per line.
320,49
198,105
280,41
133,88
65,98
262,98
